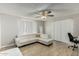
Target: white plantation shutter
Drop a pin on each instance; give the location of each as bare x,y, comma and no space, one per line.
27,27
61,28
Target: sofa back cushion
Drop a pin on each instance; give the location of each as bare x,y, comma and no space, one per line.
32,36
27,36
44,36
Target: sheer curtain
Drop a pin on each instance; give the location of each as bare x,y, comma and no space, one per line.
26,27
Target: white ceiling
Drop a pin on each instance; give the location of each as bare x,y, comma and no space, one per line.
26,9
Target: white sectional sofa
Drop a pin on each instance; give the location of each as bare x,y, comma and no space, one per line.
32,38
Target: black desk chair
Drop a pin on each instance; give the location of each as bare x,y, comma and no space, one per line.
73,40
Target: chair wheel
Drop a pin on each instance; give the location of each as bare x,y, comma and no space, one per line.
68,46
73,49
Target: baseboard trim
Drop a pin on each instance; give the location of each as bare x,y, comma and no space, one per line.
8,45
69,43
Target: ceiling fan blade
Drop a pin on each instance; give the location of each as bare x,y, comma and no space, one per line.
42,8
37,16
51,15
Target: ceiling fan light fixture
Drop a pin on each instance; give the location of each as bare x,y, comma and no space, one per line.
43,17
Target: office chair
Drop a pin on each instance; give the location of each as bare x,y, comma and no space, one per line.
73,40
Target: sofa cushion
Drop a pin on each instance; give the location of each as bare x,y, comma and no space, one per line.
46,41
22,40
44,36
27,36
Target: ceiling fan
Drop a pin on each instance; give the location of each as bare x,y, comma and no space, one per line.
43,14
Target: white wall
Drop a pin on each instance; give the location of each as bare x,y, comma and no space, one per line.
76,27
8,29
49,29
0,33
41,27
